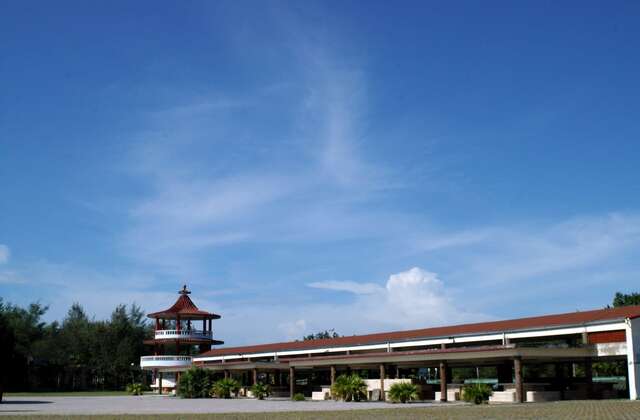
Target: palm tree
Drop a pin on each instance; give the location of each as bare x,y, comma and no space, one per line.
349,388
403,392
225,387
260,390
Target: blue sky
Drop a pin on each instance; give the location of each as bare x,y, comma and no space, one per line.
303,166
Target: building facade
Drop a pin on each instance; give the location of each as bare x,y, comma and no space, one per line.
578,355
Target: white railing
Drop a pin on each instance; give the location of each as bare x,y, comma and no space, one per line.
173,334
165,361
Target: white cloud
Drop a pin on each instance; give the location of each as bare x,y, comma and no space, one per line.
293,330
410,299
415,298
5,254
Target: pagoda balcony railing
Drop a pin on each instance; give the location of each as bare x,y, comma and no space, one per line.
159,362
178,334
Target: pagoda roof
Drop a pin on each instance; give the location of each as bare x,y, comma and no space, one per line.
184,308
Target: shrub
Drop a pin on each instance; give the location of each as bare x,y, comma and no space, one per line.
476,393
224,388
195,383
298,397
403,392
134,389
349,388
260,390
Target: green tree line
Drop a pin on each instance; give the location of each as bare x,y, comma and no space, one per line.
76,354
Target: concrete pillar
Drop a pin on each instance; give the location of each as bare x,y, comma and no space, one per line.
226,374
255,376
382,374
160,383
292,381
517,367
333,375
443,381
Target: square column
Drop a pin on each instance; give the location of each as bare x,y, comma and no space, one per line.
292,381
333,375
443,381
517,367
382,373
255,376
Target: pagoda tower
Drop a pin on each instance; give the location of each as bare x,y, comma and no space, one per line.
176,339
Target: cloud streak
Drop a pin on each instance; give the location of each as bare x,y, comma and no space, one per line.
5,254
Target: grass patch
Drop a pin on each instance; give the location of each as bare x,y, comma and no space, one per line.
66,394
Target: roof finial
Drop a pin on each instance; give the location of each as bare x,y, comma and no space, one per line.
184,290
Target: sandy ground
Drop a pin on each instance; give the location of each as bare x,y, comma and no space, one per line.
164,404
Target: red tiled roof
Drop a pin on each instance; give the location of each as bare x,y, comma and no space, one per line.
572,318
184,307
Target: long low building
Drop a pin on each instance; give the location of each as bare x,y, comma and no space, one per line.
577,355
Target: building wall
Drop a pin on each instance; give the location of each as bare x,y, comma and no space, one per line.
633,356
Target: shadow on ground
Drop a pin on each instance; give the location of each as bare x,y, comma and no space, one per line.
9,402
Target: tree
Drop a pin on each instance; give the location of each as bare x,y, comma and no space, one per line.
7,345
77,354
622,299
321,335
27,329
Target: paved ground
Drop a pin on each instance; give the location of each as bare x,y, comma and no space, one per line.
149,404
159,408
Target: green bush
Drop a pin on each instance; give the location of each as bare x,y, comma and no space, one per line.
260,390
476,393
135,389
224,388
403,392
195,383
349,388
298,397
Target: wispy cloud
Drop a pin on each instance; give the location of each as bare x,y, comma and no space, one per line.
347,286
5,254
521,253
307,183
